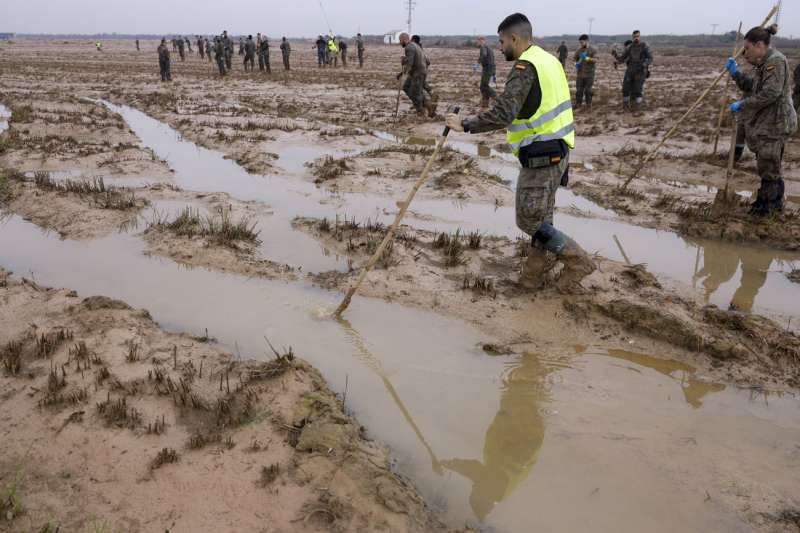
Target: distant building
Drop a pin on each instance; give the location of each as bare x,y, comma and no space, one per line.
392,37
6,36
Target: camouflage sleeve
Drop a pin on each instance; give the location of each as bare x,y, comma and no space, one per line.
577,55
592,55
648,56
744,80
775,72
521,81
408,59
626,53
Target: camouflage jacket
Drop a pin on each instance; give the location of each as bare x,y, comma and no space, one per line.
286,47
486,56
360,44
587,65
768,111
520,99
637,56
562,52
414,61
250,47
163,52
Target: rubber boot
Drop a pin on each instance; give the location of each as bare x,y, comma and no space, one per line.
577,263
737,153
484,102
431,107
773,196
759,206
626,104
537,271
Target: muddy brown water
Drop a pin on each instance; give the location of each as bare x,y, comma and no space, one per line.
541,441
752,278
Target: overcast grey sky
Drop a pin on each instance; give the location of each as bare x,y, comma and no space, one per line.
305,18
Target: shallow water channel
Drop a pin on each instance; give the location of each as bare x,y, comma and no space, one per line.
542,441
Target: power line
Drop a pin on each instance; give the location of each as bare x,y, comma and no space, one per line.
591,21
410,5
325,15
714,29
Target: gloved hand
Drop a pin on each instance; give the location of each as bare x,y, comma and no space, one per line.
578,65
736,107
583,56
731,66
399,75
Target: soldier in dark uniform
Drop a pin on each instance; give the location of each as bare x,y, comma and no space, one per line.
343,52
201,47
415,68
585,62
137,45
220,55
360,49
163,61
263,54
535,109
188,45
258,52
563,52
181,49
249,54
768,114
322,48
286,49
227,44
486,60
208,48
638,59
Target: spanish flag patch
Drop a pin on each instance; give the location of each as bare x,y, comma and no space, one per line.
520,66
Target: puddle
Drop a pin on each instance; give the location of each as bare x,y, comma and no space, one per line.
519,443
5,115
756,282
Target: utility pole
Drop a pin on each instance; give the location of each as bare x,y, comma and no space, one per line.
591,20
778,14
714,29
410,5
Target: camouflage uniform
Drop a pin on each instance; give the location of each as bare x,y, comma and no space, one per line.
137,45
585,79
343,51
770,119
486,60
163,62
221,54
536,187
263,55
249,54
638,58
258,52
208,48
188,44
201,47
416,68
796,93
322,48
562,55
360,49
286,49
181,50
227,44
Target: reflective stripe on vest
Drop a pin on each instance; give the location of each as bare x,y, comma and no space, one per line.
553,120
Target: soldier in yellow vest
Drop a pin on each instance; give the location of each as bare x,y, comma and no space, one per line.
536,111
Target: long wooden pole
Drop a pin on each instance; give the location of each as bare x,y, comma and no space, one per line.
397,105
724,101
689,111
393,228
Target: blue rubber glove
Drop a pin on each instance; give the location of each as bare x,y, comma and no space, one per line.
731,66
735,107
578,65
583,56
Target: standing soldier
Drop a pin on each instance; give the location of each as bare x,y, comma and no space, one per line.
536,112
637,57
258,52
263,54
188,45
181,49
563,52
333,52
360,49
768,113
415,69
241,46
201,47
174,45
208,48
249,53
486,60
343,49
321,51
425,85
163,61
286,49
585,61
221,55
137,45
227,45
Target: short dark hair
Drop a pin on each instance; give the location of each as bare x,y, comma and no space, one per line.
516,23
415,38
583,37
761,35
635,32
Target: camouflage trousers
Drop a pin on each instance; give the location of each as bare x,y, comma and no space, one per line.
486,79
769,154
221,65
360,58
249,61
164,66
583,89
414,87
536,195
741,134
633,84
285,61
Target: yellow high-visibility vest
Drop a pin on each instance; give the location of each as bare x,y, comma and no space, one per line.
553,120
333,47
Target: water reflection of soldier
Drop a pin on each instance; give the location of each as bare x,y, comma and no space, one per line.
721,262
513,439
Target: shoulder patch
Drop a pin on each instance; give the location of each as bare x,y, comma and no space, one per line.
771,67
520,66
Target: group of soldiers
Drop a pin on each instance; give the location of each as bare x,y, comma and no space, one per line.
330,49
415,64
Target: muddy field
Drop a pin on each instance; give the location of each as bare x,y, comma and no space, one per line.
183,373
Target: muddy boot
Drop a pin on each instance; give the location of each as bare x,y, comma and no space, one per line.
537,271
759,206
577,263
484,102
626,104
773,196
431,107
737,153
